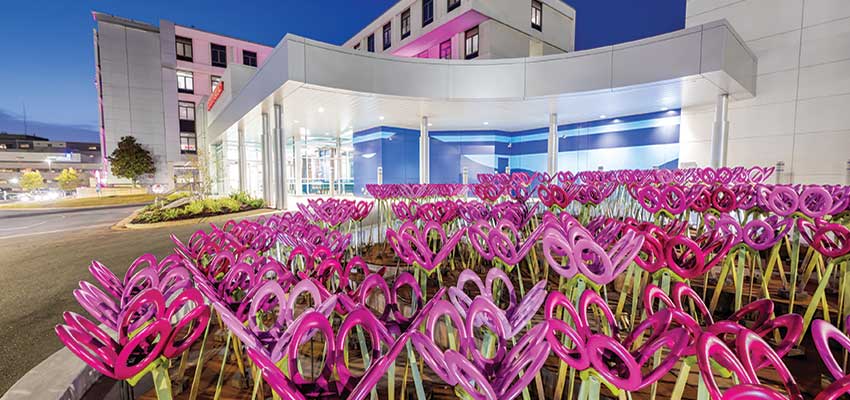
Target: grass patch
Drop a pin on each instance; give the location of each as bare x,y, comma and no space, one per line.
84,202
198,208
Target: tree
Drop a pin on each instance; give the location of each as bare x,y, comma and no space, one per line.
68,179
32,180
130,160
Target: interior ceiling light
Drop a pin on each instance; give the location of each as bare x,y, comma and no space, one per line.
603,116
321,109
381,118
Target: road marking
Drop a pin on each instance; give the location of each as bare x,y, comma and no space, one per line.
15,228
56,231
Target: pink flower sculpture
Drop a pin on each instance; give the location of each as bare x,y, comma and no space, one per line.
412,244
749,352
599,261
517,314
502,376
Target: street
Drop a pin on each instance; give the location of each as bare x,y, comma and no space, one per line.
43,256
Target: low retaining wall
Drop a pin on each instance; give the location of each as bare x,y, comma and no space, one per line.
62,376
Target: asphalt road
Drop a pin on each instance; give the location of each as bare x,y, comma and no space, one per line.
43,256
23,223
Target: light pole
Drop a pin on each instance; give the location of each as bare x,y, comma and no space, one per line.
49,164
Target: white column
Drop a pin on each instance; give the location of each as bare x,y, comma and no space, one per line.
243,165
720,134
268,166
552,153
299,137
424,152
280,164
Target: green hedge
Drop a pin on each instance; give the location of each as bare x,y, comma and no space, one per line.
208,207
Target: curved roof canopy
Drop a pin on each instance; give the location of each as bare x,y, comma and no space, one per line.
331,89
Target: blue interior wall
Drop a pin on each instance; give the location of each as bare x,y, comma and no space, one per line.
638,141
396,150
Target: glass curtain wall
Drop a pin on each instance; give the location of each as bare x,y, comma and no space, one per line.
315,162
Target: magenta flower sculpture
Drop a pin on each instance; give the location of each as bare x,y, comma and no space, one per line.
412,244
743,361
600,261
495,376
822,334
145,333
689,257
517,315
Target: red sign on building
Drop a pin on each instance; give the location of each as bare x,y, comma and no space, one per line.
215,95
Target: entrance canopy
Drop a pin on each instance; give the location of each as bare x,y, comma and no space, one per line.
328,89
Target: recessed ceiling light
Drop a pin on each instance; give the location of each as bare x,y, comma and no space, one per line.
664,108
430,124
616,121
297,121
321,109
486,123
381,118
603,116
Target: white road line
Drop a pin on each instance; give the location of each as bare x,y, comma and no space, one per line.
56,231
15,228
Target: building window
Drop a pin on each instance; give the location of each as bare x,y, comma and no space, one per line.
446,50
453,4
471,50
186,115
214,81
423,54
188,143
249,58
184,48
370,43
185,82
537,15
427,12
357,47
92,147
218,55
24,145
405,24
388,35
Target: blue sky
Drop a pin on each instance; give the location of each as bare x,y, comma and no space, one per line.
47,59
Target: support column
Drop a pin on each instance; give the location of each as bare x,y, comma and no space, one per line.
280,162
720,134
424,152
243,166
552,152
299,161
268,166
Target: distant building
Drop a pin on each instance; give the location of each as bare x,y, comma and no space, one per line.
21,153
151,80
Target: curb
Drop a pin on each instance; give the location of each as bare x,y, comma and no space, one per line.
125,224
62,376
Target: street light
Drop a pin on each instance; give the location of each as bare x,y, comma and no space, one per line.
49,164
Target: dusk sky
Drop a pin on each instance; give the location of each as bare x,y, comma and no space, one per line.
47,51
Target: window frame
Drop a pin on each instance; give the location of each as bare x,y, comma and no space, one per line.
184,43
405,24
537,7
214,80
427,18
188,106
473,35
188,143
190,88
442,49
215,49
387,35
248,55
451,5
370,43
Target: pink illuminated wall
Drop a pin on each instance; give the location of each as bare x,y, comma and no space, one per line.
431,40
201,65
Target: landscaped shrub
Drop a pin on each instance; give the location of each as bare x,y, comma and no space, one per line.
197,208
